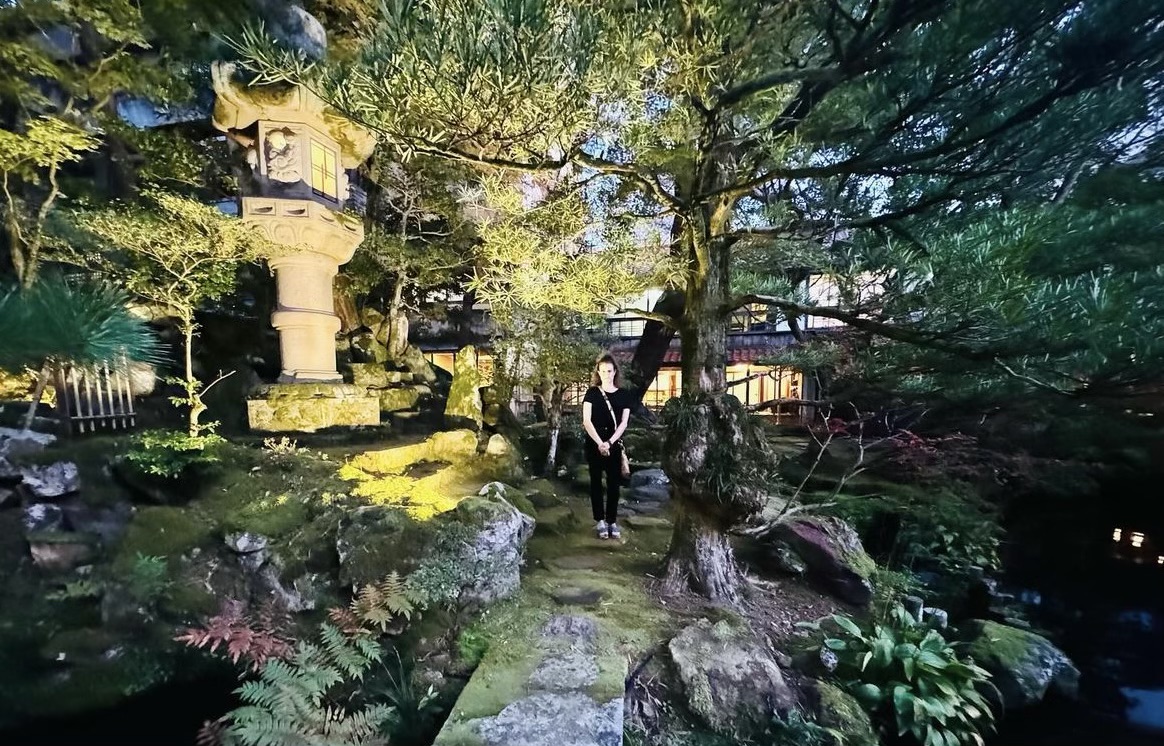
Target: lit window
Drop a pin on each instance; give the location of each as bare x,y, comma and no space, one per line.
324,172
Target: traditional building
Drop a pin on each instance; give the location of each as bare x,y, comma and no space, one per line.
753,336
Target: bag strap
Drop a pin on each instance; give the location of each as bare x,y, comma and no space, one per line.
609,408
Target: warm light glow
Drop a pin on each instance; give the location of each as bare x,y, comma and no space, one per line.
1117,534
324,171
1160,560
1137,540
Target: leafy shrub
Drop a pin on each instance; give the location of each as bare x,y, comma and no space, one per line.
148,580
889,588
283,446
445,568
169,453
909,678
414,710
948,528
471,646
794,729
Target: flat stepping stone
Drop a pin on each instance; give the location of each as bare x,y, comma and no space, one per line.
562,691
579,562
647,521
542,500
576,596
553,719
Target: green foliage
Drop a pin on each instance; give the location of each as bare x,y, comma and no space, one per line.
85,588
283,446
890,587
444,570
148,580
471,647
378,606
172,251
309,699
909,678
171,454
794,729
60,321
946,525
543,253
414,709
46,142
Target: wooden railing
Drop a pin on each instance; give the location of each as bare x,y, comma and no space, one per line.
94,399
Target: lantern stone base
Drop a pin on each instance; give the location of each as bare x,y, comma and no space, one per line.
308,407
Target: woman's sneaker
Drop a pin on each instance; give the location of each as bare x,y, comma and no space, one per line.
602,530
612,531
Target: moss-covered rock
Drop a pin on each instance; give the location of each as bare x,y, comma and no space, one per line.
834,555
373,541
1024,665
842,712
375,375
162,531
464,406
307,415
398,399
730,680
367,349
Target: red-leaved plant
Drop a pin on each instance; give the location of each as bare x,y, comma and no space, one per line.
251,639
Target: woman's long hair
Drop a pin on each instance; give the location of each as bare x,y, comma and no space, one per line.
605,357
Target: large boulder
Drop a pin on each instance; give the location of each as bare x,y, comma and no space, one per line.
730,679
834,555
50,480
375,540
473,553
464,407
1025,666
491,564
14,442
413,361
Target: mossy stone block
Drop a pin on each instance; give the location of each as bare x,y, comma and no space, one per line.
398,399
311,414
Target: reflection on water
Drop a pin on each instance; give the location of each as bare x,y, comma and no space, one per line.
1090,574
1145,707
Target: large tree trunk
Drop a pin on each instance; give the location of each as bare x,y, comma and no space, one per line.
700,558
552,397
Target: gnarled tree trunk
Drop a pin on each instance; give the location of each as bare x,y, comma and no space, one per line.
700,557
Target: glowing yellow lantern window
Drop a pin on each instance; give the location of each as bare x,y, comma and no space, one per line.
324,172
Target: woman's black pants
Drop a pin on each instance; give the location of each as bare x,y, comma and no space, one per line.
611,467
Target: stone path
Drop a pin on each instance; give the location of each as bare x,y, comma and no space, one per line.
566,699
557,674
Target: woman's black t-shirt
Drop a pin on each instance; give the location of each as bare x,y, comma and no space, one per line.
600,417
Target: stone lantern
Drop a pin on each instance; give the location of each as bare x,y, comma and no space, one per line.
297,152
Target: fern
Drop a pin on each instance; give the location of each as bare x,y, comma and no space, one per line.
299,701
254,640
377,606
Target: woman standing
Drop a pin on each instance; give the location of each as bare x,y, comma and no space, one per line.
605,413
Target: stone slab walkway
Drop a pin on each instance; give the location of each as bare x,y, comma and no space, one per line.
555,669
567,698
